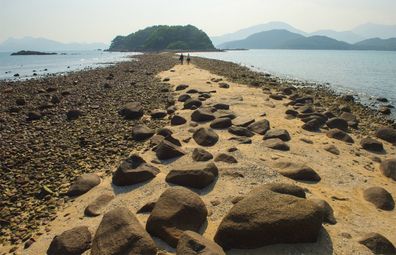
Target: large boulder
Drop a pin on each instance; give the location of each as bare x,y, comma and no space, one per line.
142,132
134,170
200,154
387,134
378,244
240,131
328,213
177,120
371,144
178,209
221,123
132,111
83,184
260,127
297,171
242,121
195,176
202,115
205,137
167,150
98,205
120,232
388,168
71,242
192,243
380,197
277,133
265,217
337,123
339,135
276,144
191,103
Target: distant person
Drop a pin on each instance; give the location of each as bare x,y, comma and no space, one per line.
181,58
188,59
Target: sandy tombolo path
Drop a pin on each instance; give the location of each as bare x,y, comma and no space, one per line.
344,177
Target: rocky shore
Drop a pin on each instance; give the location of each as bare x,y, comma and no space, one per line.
52,130
209,158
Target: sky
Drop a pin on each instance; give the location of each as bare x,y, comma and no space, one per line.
102,20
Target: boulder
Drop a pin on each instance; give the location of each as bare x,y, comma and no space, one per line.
350,118
73,114
328,213
371,144
178,120
221,106
71,242
221,123
120,232
202,115
260,127
134,170
97,207
205,137
332,149
183,98
181,87
313,125
224,85
200,154
132,111
158,114
192,243
387,134
286,189
277,133
34,116
276,144
242,121
378,244
223,157
142,132
339,135
83,184
192,91
388,168
192,103
195,176
337,123
240,131
265,217
380,197
297,171
167,150
177,210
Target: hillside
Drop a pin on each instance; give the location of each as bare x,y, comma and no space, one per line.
283,39
157,38
377,44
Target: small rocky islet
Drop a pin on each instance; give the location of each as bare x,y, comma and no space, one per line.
198,160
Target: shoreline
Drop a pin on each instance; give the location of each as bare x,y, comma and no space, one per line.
255,163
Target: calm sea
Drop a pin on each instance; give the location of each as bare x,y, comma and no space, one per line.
65,61
367,74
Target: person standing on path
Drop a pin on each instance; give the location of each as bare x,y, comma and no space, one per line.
181,58
188,59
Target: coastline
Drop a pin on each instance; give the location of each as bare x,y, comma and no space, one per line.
255,163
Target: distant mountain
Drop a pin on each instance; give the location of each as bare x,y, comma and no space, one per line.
43,44
377,44
158,38
243,33
283,39
346,36
371,30
272,39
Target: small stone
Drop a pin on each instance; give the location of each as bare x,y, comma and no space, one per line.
371,144
205,137
97,207
223,157
276,144
332,149
178,120
200,154
71,242
378,244
380,197
281,134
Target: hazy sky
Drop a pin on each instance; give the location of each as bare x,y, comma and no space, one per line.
101,20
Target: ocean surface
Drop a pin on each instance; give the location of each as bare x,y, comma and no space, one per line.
367,74
64,62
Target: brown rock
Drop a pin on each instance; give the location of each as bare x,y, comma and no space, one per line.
83,184
71,242
97,207
388,168
378,244
192,243
381,198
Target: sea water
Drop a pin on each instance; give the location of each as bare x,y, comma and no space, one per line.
63,62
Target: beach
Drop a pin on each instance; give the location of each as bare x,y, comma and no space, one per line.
42,155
